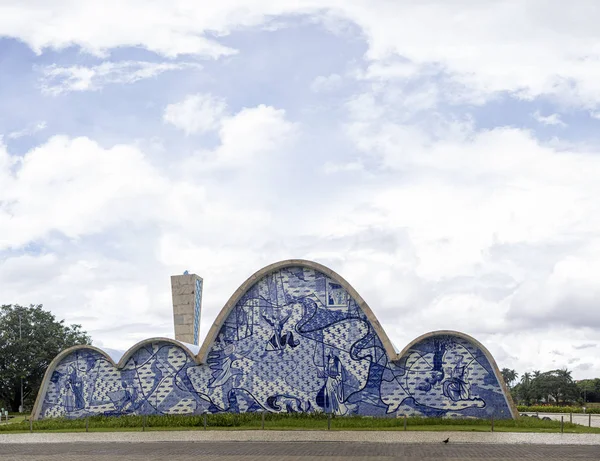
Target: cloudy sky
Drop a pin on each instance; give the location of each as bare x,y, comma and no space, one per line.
442,156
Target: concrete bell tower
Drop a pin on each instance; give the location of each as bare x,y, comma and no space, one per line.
186,290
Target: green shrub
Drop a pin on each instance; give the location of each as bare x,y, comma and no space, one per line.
556,409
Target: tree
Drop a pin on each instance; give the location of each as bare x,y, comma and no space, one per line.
509,376
30,337
524,390
558,385
589,390
537,394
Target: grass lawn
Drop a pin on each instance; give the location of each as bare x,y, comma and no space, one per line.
14,418
253,421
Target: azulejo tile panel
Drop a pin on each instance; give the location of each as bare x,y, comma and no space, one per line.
197,306
296,341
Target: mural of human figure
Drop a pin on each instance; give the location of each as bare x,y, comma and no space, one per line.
439,379
331,395
125,400
222,375
437,372
278,340
74,394
131,395
221,361
336,295
455,387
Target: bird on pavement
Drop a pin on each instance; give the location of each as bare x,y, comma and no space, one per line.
447,440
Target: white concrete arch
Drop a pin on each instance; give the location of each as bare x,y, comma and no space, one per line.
477,344
37,407
218,323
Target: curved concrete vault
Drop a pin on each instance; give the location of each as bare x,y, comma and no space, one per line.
293,337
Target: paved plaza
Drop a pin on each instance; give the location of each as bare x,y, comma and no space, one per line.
288,451
400,437
298,445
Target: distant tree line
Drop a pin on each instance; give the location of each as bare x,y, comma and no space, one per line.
555,387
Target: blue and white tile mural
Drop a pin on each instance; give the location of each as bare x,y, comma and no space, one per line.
296,341
197,305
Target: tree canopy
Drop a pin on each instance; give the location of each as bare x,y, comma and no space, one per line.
509,376
551,386
30,337
590,389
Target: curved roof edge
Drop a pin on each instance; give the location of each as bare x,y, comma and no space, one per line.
488,356
218,323
37,406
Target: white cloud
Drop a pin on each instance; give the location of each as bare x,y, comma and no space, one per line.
551,120
245,136
253,132
76,187
504,228
326,83
73,186
170,28
437,222
95,220
545,51
469,190
251,135
474,48
427,249
56,80
30,130
569,286
391,70
197,113
331,168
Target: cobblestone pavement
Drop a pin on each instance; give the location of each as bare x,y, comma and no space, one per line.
503,438
292,451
